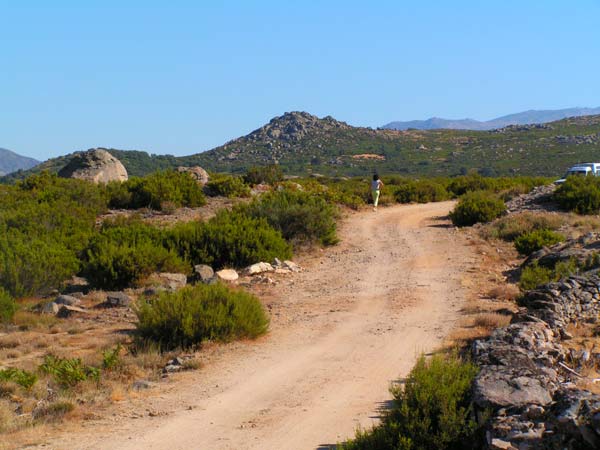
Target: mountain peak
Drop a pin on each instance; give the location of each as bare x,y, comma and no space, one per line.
293,126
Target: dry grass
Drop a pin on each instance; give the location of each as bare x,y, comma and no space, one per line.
8,420
505,292
490,321
26,320
508,228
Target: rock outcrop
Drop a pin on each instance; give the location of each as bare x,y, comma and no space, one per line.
95,165
197,173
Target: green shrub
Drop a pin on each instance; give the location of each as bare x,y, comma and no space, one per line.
192,315
530,242
31,265
422,191
156,190
8,307
266,174
231,238
299,216
431,412
478,206
579,194
21,377
121,256
45,223
111,358
68,372
533,276
227,186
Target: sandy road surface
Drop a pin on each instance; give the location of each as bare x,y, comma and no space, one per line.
341,331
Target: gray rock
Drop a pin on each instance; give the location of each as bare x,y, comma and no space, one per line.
260,267
197,173
117,299
170,281
68,311
141,385
95,165
67,300
228,275
50,308
291,265
204,273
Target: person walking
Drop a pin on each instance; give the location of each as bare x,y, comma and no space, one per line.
376,186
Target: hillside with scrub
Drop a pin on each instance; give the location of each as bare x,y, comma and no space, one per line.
303,144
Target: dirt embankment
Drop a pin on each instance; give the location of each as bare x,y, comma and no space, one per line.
342,330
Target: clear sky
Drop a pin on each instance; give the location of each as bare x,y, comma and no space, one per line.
181,77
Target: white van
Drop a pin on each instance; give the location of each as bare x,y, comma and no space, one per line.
581,170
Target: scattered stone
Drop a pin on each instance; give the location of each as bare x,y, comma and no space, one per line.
95,165
68,311
204,273
50,308
291,265
257,268
117,299
170,281
197,173
67,300
227,275
141,385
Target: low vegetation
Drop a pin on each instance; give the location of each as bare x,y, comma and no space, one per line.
529,242
159,190
431,411
475,207
192,315
579,194
227,186
299,216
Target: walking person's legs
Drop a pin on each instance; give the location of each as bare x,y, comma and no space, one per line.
375,199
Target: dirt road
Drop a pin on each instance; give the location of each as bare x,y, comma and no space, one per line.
351,323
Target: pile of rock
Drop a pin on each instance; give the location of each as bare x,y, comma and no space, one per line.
524,379
540,199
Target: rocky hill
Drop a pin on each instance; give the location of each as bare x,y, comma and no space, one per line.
526,117
302,143
11,162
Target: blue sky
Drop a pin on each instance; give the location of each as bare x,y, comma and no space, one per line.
181,77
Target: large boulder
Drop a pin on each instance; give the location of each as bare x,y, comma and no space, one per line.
197,173
95,165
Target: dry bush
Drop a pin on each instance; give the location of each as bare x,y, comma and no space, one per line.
584,224
50,412
505,292
27,320
8,419
473,307
491,321
9,341
510,227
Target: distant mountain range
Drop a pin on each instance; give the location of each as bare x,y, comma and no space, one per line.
523,118
11,162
